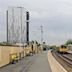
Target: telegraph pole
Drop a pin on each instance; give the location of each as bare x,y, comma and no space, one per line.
12,26
41,37
7,28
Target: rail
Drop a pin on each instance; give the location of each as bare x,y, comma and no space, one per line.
64,59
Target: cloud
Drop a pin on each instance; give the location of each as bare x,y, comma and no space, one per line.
2,36
54,15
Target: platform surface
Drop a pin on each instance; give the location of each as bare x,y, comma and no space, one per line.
41,64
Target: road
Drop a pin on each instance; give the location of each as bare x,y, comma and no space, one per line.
36,63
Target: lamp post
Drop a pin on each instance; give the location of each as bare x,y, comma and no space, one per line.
41,37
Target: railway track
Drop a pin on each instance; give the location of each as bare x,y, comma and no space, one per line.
64,59
68,59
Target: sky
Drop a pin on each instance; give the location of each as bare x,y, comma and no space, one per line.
54,15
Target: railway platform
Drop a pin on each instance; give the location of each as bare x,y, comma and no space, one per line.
35,63
54,64
41,64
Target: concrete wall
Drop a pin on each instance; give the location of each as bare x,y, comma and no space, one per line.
6,51
4,56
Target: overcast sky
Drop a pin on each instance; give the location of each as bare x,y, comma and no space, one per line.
54,15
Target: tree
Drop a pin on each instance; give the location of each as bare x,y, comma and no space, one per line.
44,43
69,42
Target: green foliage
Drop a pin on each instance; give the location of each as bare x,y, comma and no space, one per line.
68,42
53,47
44,43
